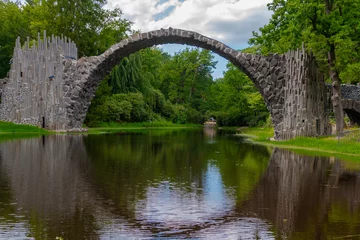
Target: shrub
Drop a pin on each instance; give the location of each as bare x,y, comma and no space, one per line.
179,115
194,116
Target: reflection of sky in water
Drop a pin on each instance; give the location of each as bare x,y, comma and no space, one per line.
175,209
214,191
176,206
13,230
241,228
52,191
245,228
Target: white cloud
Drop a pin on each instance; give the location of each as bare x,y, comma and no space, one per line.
230,21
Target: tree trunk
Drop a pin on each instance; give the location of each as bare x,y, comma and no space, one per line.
334,75
192,88
336,90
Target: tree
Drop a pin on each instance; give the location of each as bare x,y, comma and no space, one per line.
162,80
12,24
328,27
93,28
237,100
127,76
187,76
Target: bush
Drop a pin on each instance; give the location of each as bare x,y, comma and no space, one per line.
139,111
233,117
257,119
118,110
268,123
168,110
179,114
194,116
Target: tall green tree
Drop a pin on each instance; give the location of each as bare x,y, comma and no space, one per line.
187,76
86,22
93,28
328,27
135,77
13,23
127,76
236,101
173,87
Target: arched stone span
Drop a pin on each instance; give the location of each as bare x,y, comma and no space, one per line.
82,77
352,108
350,95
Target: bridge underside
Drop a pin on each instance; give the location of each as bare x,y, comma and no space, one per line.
354,116
351,102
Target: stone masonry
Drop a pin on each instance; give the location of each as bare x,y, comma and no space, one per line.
306,109
292,87
351,102
33,92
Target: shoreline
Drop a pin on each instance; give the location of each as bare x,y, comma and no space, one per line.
347,146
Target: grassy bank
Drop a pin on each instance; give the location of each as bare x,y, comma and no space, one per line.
113,127
10,131
347,146
12,128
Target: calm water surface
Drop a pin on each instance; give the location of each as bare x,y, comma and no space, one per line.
194,184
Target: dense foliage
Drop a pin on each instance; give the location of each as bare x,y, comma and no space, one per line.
147,86
153,86
93,28
236,100
329,27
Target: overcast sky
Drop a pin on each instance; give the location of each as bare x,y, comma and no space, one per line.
229,21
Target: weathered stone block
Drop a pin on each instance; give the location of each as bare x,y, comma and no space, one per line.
273,62
262,83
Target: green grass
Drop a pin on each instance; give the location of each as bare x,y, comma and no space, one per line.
114,127
12,128
9,131
347,147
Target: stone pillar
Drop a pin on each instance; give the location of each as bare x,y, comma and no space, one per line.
306,107
33,92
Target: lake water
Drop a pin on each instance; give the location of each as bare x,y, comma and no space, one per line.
173,184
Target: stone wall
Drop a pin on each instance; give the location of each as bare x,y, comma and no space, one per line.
33,92
349,91
350,100
306,109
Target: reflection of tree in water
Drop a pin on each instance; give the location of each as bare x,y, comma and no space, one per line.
46,183
67,190
299,195
144,164
83,187
7,209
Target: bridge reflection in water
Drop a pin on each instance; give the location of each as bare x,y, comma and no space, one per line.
172,184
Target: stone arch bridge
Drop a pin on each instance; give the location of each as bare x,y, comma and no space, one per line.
49,87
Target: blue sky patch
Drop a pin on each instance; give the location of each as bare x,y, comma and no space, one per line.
160,2
164,13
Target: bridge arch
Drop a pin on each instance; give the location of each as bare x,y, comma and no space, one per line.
352,108
82,77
